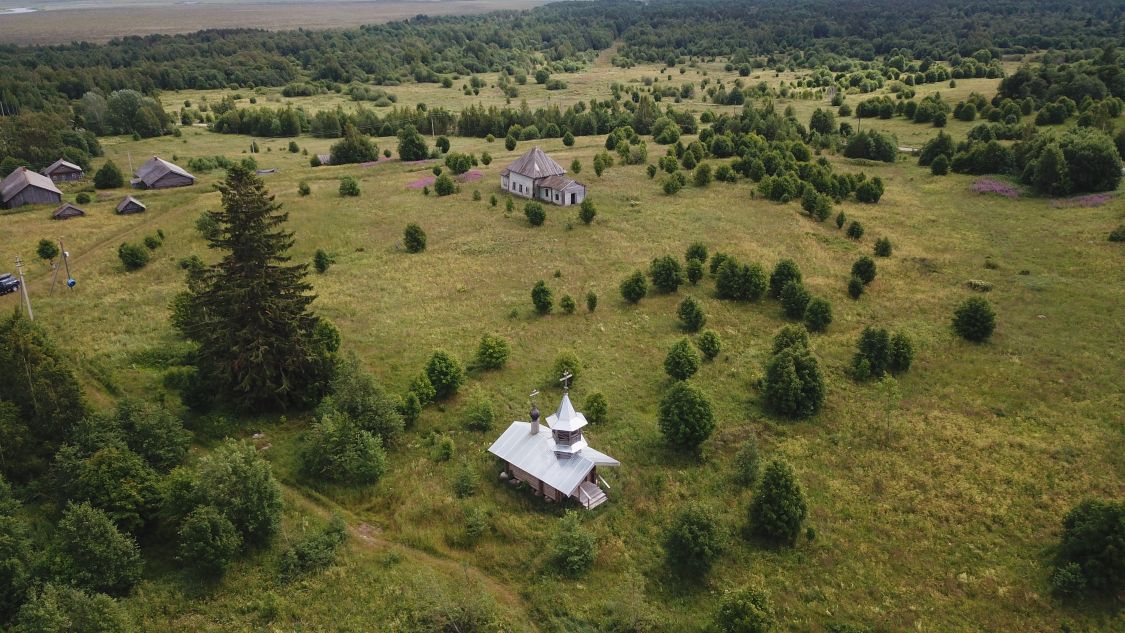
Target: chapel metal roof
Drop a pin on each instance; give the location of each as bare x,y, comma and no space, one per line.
535,454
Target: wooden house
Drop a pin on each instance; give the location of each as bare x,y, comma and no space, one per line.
24,186
130,205
157,173
556,463
62,171
67,211
537,176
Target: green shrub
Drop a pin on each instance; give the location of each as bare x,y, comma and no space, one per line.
207,542
93,555
693,540
856,287
940,166
864,269
493,352
682,360
55,608
635,287
745,610
901,353
444,185
795,299
596,408
47,249
321,261
974,320
779,507
587,212
702,175
840,219
855,230
349,186
793,383
873,355
444,449
466,482
567,304
410,409
313,553
414,238
133,256
294,148
1089,556
152,432
82,198
691,314
790,336
565,362
338,450
818,315
542,297
694,271
573,547
535,213
479,414
785,271
696,251
591,301
109,176
354,393
423,389
883,247
666,273
710,344
869,191
686,418
303,189
445,374
747,463
740,282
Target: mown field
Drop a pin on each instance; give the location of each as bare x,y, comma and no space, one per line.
100,21
934,497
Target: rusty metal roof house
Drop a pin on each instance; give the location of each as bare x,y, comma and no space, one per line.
62,171
130,205
557,463
67,211
537,176
24,186
157,173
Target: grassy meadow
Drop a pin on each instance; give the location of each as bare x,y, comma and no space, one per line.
934,496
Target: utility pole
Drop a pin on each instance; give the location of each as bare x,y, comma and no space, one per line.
23,289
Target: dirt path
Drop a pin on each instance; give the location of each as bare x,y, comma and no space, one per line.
605,58
367,537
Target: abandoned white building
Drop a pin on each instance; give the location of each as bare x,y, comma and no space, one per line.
556,463
537,176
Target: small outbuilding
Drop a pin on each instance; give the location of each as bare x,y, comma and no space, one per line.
157,173
130,205
62,171
24,186
557,463
537,176
67,211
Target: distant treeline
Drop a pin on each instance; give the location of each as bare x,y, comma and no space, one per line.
809,33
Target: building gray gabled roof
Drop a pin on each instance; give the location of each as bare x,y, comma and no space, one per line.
560,183
156,168
67,210
127,200
21,179
535,163
535,454
47,171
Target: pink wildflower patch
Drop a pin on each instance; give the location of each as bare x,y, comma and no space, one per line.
422,182
471,176
989,185
1092,200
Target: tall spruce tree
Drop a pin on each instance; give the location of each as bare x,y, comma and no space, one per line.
249,312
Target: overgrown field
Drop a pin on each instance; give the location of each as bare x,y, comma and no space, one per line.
934,496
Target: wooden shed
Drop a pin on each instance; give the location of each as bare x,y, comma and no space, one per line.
62,171
130,205
157,173
67,211
24,186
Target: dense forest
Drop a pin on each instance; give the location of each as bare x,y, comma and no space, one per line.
805,34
